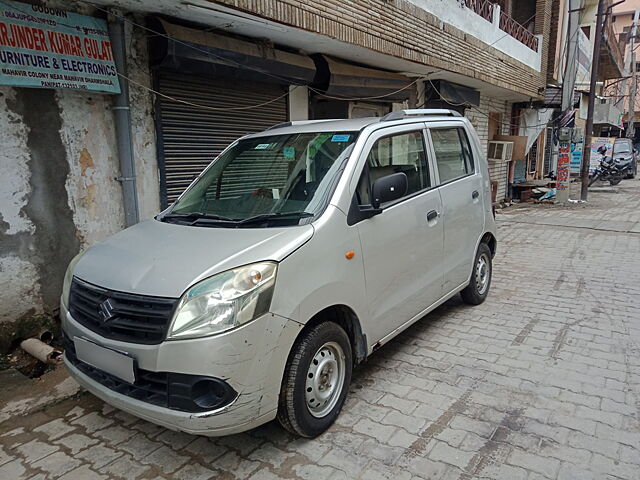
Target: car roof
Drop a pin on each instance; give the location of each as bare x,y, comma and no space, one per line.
309,126
354,124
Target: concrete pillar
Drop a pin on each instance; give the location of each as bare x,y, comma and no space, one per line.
298,103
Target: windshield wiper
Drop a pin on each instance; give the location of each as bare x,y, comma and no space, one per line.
196,217
269,216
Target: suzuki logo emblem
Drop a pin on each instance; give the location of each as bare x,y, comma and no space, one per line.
106,311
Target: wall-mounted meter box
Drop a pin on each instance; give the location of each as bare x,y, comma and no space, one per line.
577,136
565,134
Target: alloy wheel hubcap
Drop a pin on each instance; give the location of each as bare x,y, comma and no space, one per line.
325,379
483,271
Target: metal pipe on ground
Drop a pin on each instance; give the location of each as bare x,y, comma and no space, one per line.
40,350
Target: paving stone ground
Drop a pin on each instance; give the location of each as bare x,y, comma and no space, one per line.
542,381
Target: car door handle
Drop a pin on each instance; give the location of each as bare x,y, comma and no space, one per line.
432,215
475,194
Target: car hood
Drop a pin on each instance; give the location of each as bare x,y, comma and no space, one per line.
622,157
164,259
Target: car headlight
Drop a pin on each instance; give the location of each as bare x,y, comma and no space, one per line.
68,277
224,301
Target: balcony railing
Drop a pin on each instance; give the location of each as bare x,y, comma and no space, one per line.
517,31
482,7
485,9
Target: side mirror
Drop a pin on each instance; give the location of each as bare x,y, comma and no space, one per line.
389,188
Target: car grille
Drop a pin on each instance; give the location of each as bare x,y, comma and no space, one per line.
164,389
120,316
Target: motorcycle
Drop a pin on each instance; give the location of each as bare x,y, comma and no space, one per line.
609,169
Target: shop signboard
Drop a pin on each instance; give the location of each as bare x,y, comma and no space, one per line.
576,156
46,47
596,143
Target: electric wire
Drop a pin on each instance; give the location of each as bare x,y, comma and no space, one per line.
212,55
473,107
240,65
160,94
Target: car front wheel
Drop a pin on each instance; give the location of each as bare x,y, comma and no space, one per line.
316,380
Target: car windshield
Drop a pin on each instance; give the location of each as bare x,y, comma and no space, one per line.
622,147
279,178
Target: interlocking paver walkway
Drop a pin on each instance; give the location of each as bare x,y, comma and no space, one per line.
542,381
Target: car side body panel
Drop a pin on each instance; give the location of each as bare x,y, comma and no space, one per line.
319,275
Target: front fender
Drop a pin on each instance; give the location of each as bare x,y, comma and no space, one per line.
319,274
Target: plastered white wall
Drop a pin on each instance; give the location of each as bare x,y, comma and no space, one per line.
143,126
94,194
456,14
14,172
18,277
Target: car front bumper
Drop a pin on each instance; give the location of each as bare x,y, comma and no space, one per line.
251,359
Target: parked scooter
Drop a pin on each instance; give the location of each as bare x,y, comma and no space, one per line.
609,169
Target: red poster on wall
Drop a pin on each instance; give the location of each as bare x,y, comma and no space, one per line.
564,167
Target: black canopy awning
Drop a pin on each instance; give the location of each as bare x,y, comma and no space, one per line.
345,80
452,94
199,52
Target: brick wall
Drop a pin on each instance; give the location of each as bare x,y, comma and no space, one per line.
553,41
401,29
479,117
543,27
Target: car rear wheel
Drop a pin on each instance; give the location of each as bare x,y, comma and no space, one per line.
476,292
316,380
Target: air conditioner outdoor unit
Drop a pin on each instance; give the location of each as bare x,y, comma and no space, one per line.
500,151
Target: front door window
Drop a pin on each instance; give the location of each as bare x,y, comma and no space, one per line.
404,153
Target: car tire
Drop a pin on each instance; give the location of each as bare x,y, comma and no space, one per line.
476,292
316,380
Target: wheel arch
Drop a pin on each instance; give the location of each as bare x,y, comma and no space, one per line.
346,318
490,239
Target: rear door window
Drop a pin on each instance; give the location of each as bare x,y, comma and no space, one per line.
453,153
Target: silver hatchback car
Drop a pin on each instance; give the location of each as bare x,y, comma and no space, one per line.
293,256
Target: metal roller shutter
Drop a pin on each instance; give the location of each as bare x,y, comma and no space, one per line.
191,136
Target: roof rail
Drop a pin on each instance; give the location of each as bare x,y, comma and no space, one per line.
421,112
298,122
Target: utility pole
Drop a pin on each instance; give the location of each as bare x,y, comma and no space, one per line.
586,158
563,168
631,110
571,65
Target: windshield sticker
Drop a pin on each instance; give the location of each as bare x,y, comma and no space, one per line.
289,152
262,146
340,138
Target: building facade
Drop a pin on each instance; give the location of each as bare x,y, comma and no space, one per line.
620,93
201,73
579,37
